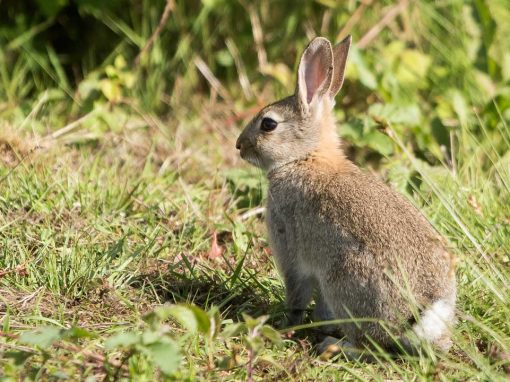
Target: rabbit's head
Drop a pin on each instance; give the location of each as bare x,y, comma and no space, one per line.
302,124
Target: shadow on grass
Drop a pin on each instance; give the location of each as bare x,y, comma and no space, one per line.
248,297
206,291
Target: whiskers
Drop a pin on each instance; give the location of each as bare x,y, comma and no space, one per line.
261,176
255,160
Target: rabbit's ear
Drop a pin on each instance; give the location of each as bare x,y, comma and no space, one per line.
340,52
315,71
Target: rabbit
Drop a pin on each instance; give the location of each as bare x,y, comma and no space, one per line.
338,231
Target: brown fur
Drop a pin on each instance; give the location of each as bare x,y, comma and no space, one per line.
379,247
336,229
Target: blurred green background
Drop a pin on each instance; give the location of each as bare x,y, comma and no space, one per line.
425,67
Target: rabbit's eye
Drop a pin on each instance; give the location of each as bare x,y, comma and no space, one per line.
268,124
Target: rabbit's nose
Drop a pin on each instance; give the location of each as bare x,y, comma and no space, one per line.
238,145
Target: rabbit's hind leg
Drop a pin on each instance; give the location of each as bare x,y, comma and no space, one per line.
299,291
322,312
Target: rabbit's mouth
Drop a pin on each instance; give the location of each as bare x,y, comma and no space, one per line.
249,156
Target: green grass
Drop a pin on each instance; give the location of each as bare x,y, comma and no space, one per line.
123,199
103,232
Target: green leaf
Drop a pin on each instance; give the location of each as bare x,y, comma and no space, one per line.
379,142
413,66
43,337
125,339
203,321
89,85
184,315
189,316
399,176
254,343
111,71
352,130
460,106
111,90
359,69
398,114
165,355
249,321
128,79
271,334
505,66
120,62
149,337
52,7
224,58
252,323
391,53
328,3
76,332
19,357
233,330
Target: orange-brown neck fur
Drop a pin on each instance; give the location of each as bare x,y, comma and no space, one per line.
329,151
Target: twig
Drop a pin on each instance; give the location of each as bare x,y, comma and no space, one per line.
35,110
251,356
28,298
8,335
170,5
21,269
19,162
69,127
253,212
241,71
16,347
326,20
209,76
353,20
377,28
257,36
249,366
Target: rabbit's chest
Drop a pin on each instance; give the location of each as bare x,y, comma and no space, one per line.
303,236
288,239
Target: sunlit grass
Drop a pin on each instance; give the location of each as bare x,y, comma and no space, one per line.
121,189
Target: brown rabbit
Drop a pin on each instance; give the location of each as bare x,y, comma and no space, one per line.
338,231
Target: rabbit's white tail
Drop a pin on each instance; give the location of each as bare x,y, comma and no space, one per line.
435,323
